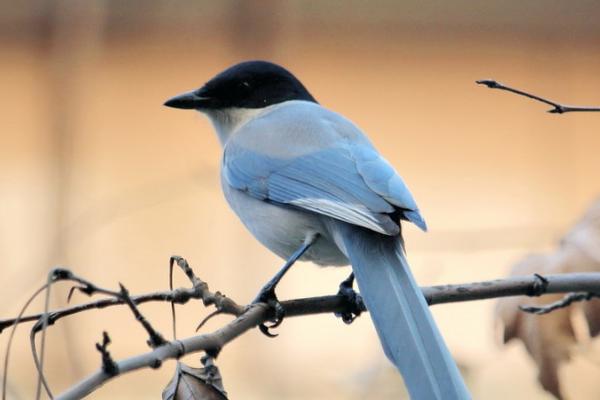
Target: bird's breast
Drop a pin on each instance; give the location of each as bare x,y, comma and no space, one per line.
283,229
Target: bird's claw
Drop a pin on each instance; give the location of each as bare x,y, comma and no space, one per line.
354,301
269,298
264,328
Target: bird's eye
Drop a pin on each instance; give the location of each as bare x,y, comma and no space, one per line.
246,84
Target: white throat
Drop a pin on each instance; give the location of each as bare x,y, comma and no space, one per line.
227,121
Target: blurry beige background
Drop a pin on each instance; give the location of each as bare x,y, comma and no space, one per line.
96,175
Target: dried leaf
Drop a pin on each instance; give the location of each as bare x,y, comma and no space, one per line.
549,338
195,383
591,310
580,252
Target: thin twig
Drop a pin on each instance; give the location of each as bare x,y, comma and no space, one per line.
55,275
172,350
566,301
512,286
109,366
173,313
155,339
179,296
36,360
219,300
207,318
14,323
89,288
39,364
557,108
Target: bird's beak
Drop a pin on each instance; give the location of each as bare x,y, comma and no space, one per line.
188,101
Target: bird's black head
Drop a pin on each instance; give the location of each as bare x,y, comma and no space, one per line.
251,84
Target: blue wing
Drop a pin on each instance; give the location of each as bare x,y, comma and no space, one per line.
352,184
301,154
381,177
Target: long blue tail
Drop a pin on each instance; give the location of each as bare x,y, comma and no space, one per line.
401,316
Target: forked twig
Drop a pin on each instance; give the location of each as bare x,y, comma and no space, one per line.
557,108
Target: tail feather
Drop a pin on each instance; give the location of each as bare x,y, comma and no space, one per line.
406,328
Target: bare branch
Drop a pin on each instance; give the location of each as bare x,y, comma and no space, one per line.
173,350
506,287
557,108
248,317
178,296
155,339
259,313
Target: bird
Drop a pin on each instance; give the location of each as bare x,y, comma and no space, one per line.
309,185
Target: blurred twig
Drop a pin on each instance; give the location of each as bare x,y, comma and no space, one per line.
557,108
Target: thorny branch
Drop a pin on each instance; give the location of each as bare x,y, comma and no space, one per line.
557,108
249,317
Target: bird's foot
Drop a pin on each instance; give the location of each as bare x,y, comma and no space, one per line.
267,293
355,304
276,310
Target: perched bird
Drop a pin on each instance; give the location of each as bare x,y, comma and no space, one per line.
308,184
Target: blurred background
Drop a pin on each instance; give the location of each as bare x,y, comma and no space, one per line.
98,176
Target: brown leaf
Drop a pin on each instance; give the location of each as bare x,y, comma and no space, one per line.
591,310
549,338
508,315
580,252
195,384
